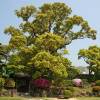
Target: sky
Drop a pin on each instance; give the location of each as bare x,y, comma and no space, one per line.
88,9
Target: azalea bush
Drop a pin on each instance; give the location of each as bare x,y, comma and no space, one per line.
41,83
77,82
40,87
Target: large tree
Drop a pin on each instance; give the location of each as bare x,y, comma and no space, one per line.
43,31
92,57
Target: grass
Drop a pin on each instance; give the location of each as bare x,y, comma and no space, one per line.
88,98
11,98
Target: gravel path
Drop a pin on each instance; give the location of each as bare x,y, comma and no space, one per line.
52,99
72,99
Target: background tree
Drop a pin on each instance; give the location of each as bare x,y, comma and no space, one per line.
92,57
3,59
35,43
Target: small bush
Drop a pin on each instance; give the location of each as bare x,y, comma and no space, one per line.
96,88
67,94
97,83
5,92
70,88
9,83
85,81
2,82
68,83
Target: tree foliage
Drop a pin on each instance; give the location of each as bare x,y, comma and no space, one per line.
34,45
49,42
45,61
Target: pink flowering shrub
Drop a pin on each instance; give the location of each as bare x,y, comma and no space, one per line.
77,82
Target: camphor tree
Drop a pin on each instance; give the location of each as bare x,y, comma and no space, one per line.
43,31
92,57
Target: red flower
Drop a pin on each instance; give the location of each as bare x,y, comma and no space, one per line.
41,83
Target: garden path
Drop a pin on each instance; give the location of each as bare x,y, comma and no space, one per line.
51,99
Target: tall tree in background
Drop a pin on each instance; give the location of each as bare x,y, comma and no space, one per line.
92,57
34,44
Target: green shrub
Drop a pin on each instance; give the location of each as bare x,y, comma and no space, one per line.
9,83
5,92
67,94
2,82
85,81
68,83
97,83
70,88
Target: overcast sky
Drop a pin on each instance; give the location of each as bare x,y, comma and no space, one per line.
88,9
